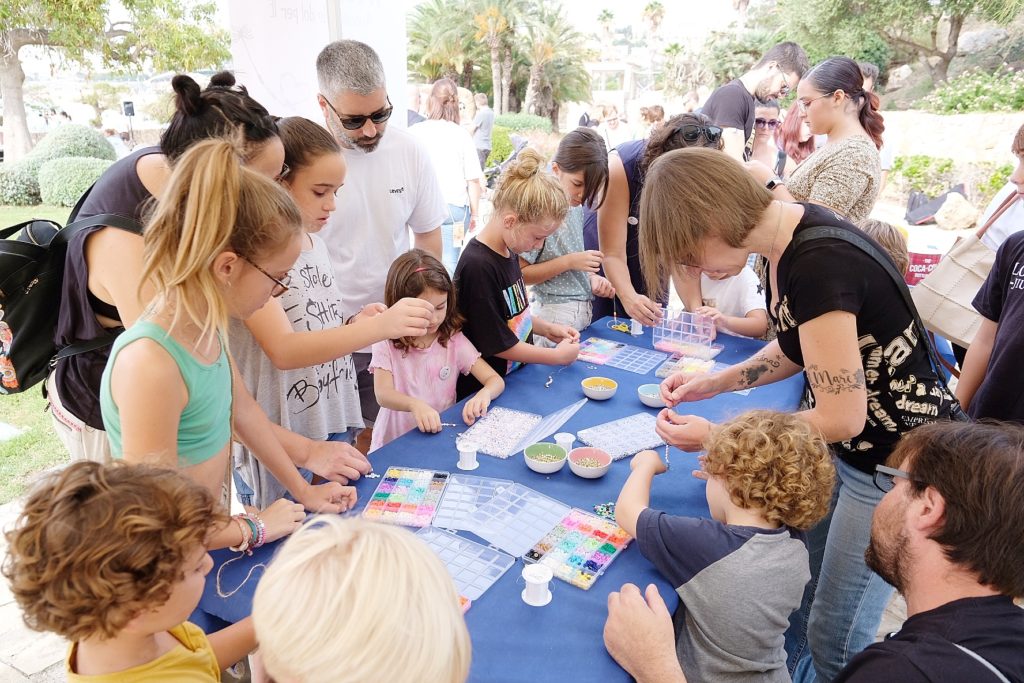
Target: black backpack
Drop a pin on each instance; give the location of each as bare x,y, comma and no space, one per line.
31,275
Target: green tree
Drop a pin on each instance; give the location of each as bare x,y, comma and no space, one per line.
442,42
495,22
654,14
607,20
554,51
102,96
163,34
926,29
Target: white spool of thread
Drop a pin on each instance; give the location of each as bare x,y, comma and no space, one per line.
565,440
537,578
635,328
467,456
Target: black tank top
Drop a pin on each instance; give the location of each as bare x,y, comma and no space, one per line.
118,191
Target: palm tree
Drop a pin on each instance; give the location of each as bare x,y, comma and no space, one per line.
555,53
491,27
606,18
654,14
441,42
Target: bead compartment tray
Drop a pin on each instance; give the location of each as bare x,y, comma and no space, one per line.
407,496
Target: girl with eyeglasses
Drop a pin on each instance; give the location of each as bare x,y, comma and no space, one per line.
845,174
613,228
295,353
218,246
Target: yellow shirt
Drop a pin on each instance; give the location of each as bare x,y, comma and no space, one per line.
192,661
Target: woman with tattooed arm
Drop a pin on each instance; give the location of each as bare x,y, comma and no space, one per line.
842,321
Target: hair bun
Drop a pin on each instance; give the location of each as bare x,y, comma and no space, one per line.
528,164
187,98
222,79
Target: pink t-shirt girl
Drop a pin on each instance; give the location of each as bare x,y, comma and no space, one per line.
427,374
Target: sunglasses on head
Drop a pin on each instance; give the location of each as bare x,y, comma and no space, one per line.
356,122
691,132
769,123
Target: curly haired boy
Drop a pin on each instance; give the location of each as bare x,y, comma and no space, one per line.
113,558
740,574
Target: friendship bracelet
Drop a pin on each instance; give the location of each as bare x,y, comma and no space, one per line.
260,537
220,591
246,543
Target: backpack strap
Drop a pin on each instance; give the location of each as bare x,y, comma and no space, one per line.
862,243
984,662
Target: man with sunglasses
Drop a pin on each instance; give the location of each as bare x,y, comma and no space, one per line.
731,106
390,189
947,535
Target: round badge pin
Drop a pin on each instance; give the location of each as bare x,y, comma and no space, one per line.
445,373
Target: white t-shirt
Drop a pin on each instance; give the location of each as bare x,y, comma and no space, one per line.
735,296
387,192
454,155
1010,222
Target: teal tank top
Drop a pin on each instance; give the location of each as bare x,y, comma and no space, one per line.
205,425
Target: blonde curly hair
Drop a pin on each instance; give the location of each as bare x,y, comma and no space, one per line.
773,462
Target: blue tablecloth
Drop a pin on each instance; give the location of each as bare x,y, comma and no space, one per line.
511,640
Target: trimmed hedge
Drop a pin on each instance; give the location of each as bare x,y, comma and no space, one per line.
501,145
523,122
19,181
62,181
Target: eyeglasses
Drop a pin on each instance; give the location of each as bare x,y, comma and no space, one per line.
885,477
285,170
280,286
786,88
771,124
804,105
356,122
691,132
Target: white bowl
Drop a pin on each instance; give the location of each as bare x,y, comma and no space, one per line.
589,453
650,395
599,388
544,449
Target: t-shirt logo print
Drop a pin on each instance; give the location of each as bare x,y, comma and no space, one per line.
784,316
517,312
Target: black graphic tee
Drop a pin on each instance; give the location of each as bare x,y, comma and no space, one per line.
1001,300
732,106
492,297
825,275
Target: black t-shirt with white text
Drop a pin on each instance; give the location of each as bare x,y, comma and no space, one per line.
827,274
1001,300
923,651
732,106
492,297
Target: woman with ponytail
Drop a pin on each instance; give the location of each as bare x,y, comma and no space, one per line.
845,174
219,244
103,267
529,205
457,163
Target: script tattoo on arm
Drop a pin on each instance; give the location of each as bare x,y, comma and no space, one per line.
837,382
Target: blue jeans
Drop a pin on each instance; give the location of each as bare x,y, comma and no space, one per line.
449,252
244,492
848,598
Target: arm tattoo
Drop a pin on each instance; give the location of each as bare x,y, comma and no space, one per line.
775,363
834,383
753,373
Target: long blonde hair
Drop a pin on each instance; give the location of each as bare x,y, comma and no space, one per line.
372,594
690,195
211,204
530,192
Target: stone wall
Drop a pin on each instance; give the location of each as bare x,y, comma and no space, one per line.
965,138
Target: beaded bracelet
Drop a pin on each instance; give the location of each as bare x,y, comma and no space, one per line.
245,545
261,528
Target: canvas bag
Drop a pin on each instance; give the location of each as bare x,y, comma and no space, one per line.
944,296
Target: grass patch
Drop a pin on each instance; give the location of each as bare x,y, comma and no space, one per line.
37,448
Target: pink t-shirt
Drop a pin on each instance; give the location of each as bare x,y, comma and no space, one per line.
427,374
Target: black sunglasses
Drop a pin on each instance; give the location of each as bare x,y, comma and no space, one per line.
691,132
770,123
356,122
